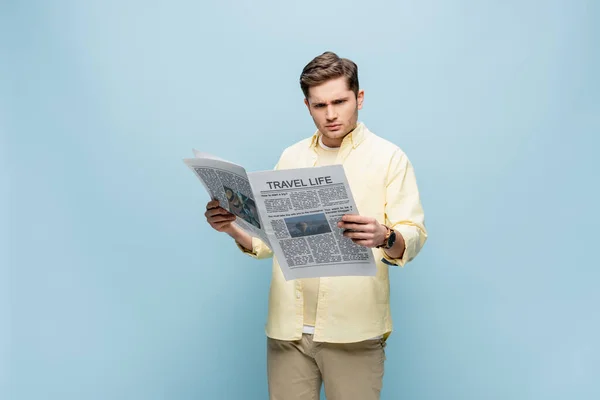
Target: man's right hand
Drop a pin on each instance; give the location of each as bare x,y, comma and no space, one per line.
219,218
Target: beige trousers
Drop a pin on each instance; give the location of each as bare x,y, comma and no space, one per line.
296,369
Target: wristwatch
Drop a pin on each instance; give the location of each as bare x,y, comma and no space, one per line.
389,240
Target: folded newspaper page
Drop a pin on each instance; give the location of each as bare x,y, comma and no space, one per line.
294,211
228,183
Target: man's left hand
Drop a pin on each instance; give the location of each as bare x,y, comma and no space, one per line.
364,231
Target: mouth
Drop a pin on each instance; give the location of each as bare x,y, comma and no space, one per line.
333,127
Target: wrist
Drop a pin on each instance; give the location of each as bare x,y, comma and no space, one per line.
389,238
240,236
385,235
233,231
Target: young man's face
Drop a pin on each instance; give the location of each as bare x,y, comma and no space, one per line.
334,108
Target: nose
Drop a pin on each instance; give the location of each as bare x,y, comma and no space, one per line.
330,113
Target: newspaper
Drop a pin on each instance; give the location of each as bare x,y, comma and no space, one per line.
294,211
228,183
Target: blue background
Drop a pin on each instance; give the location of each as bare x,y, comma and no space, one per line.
112,285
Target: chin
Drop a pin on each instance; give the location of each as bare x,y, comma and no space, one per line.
335,134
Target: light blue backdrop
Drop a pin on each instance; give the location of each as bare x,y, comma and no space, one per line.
113,287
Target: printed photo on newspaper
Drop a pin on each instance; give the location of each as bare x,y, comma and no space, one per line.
295,212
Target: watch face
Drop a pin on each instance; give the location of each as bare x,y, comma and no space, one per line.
391,239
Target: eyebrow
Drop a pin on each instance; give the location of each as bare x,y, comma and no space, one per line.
321,103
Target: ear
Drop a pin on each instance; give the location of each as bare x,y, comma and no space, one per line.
307,106
360,97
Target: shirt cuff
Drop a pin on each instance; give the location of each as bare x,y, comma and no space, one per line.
412,245
259,249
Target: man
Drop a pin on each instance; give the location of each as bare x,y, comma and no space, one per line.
333,330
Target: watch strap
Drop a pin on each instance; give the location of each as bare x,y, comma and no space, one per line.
386,239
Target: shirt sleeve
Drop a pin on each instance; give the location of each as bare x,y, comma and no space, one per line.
259,249
403,209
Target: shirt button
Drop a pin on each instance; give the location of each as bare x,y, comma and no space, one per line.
297,294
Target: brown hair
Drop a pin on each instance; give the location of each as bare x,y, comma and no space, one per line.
329,66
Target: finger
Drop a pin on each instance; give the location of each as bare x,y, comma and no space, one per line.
216,211
221,218
357,227
358,219
222,228
349,225
212,204
358,235
221,225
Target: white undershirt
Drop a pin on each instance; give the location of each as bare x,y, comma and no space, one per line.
324,146
326,157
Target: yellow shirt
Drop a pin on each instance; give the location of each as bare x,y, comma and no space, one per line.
310,287
351,308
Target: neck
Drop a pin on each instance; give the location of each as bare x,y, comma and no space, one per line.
326,147
330,143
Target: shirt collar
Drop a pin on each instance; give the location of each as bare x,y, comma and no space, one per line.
355,137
